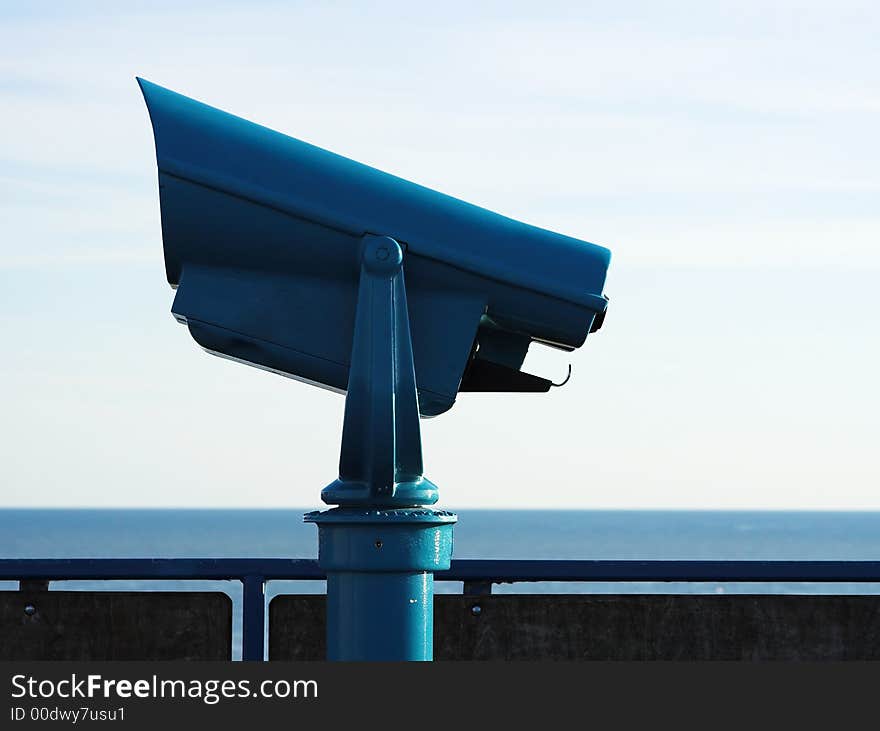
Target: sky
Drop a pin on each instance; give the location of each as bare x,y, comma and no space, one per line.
727,154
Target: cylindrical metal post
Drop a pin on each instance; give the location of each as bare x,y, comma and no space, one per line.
380,581
403,601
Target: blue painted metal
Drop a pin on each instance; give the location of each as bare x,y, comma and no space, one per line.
253,630
171,569
262,239
531,570
289,257
499,571
381,459
380,583
380,548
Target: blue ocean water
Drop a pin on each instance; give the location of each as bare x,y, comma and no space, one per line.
479,534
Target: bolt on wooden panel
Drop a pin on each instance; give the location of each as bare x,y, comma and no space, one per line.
102,625
618,627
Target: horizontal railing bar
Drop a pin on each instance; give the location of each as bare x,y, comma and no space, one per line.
511,571
489,570
84,569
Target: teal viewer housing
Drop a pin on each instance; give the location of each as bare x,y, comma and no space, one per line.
263,241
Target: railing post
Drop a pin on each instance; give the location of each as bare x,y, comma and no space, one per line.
253,631
33,585
477,588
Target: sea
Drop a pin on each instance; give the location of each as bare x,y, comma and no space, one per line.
571,534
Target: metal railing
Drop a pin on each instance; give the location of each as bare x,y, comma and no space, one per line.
478,576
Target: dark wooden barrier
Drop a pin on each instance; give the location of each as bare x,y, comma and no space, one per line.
618,627
103,625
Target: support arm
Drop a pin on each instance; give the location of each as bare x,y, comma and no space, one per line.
381,459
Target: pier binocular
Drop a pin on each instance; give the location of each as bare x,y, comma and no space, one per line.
263,238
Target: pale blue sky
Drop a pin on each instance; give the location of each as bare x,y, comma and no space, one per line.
727,153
